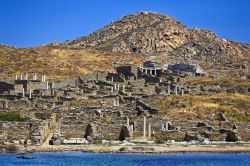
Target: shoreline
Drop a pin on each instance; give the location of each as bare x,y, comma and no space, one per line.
141,149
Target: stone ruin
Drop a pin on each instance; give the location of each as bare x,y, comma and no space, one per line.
107,107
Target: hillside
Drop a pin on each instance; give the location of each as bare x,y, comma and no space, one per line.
152,33
59,62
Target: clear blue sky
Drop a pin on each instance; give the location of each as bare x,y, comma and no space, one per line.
27,23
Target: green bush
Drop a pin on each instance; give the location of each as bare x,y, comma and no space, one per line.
10,117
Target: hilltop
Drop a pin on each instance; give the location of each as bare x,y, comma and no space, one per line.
154,33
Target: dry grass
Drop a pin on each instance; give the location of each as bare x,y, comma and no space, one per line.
234,106
224,81
60,63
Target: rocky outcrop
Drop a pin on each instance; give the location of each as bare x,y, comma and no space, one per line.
150,33
143,32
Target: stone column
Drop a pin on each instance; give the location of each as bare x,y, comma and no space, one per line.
117,102
162,127
26,76
112,89
21,76
53,85
114,103
123,88
150,72
54,105
112,79
30,94
132,127
115,86
47,85
97,76
144,127
149,130
43,77
23,92
16,77
118,87
6,104
182,92
169,90
128,121
176,93
167,126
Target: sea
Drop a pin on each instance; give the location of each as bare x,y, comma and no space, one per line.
92,159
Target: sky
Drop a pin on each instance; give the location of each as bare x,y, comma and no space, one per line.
29,23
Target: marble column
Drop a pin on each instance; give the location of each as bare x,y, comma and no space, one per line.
23,92
169,90
182,92
26,76
128,121
162,127
176,92
144,127
47,85
6,104
167,126
149,130
30,94
123,88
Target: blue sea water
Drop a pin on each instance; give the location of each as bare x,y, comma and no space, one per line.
86,159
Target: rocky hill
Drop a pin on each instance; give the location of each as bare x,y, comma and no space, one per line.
150,33
138,33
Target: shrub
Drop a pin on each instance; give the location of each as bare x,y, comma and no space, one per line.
10,117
